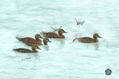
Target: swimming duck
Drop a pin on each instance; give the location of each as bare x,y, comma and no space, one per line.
45,41
55,35
88,39
24,50
31,41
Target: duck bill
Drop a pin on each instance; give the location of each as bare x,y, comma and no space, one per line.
49,41
38,48
99,36
40,36
64,32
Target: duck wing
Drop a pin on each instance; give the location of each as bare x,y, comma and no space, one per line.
25,39
86,39
50,34
80,23
29,41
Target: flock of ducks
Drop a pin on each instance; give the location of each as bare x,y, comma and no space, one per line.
35,43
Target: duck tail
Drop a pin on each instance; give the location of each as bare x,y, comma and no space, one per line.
18,38
15,49
74,39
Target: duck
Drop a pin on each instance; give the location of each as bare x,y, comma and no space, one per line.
24,50
45,41
55,35
31,41
88,39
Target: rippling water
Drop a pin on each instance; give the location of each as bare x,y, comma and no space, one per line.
61,59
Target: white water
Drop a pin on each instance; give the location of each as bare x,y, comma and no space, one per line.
61,59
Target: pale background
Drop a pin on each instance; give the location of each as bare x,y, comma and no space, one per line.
61,59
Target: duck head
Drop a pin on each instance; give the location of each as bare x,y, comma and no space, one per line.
37,36
46,40
61,31
95,36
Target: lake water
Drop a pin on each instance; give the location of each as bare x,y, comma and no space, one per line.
61,59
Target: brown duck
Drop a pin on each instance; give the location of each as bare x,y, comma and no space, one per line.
45,41
88,39
55,35
24,50
31,41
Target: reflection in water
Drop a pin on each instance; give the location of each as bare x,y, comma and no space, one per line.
96,45
61,41
34,55
30,56
46,47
